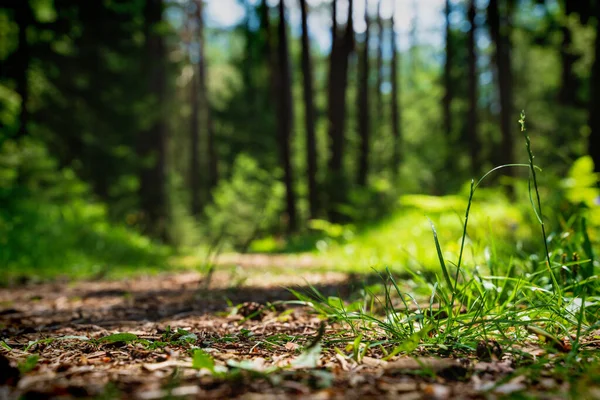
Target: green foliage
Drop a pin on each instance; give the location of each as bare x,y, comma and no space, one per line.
545,294
29,364
371,203
403,239
49,223
118,337
202,360
580,186
246,205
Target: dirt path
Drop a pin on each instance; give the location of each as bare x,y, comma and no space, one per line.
60,335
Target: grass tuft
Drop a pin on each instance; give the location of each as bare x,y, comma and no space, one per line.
511,300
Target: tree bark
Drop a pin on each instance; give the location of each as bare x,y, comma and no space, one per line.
396,130
152,143
335,156
500,34
594,114
309,117
285,118
342,47
447,99
269,54
472,120
379,84
196,204
363,106
24,19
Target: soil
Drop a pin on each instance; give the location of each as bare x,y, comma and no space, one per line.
243,324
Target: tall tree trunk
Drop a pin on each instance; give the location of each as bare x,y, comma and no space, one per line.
271,56
472,121
500,33
379,84
447,99
309,116
194,172
152,143
206,117
342,47
335,156
363,105
396,130
285,118
24,19
594,114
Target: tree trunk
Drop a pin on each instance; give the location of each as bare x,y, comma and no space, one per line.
285,118
196,205
379,84
342,47
363,106
396,130
335,155
594,114
472,121
309,117
206,118
447,99
152,143
500,34
24,19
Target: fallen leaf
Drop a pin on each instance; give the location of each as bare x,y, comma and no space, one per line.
292,346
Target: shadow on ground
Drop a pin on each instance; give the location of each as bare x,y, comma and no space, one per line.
45,308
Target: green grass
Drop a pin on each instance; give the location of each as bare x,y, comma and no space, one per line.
548,298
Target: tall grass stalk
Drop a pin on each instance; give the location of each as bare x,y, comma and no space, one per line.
538,211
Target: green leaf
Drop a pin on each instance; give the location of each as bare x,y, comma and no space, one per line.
410,344
29,364
119,337
441,256
201,359
6,346
185,336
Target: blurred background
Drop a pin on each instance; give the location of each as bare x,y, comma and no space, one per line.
133,130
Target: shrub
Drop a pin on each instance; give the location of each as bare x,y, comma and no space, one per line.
49,223
245,206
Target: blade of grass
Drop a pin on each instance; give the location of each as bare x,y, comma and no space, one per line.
441,256
555,285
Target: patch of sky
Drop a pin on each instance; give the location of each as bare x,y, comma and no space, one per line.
228,13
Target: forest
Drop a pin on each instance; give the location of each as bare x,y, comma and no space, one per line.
397,184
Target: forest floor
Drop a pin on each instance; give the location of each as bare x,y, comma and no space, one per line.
139,338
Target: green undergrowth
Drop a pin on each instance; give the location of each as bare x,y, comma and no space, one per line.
51,225
483,296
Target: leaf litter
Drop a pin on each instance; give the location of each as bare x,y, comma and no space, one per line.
160,337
